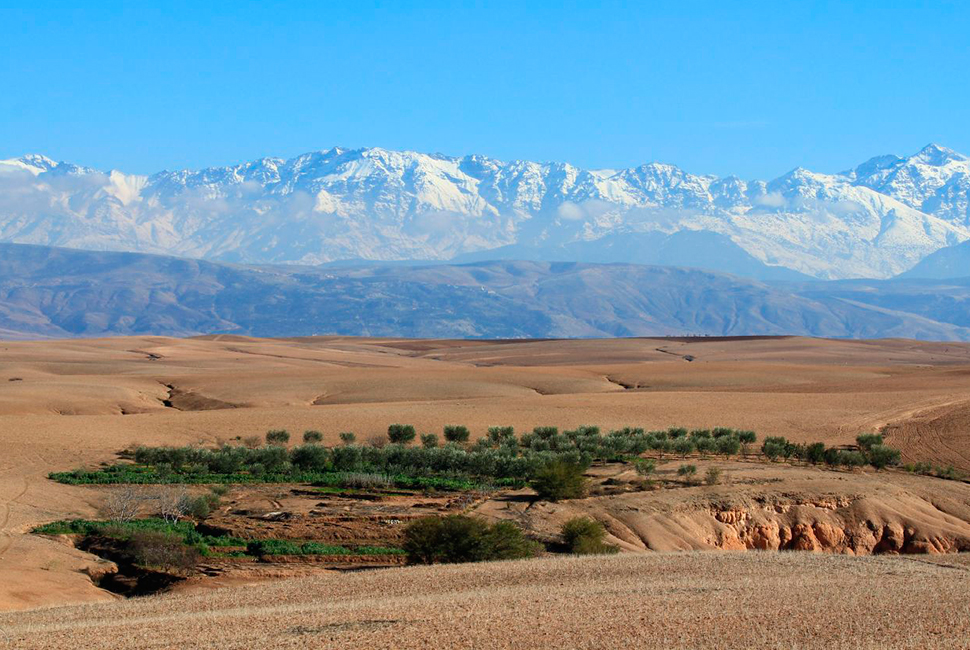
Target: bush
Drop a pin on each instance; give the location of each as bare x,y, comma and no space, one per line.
645,466
727,445
815,453
456,433
458,538
713,476
401,434
688,472
312,437
348,437
868,440
277,437
252,442
746,438
429,440
559,480
882,456
584,536
160,549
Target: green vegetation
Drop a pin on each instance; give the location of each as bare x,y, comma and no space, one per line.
270,547
277,437
713,476
159,543
429,440
348,437
312,437
688,472
560,479
401,434
584,536
456,433
457,538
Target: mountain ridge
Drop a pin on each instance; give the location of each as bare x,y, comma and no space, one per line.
876,220
50,292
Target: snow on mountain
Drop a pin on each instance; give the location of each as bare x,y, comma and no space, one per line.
874,221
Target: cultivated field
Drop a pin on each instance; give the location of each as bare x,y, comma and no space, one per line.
670,601
65,404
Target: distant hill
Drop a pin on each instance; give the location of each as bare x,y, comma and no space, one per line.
57,292
949,262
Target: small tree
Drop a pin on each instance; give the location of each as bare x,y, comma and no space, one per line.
173,503
252,442
882,456
704,444
311,437
688,472
713,476
500,435
645,466
401,434
559,480
125,503
746,438
815,453
683,446
727,445
459,538
277,437
429,440
585,536
868,440
348,437
456,433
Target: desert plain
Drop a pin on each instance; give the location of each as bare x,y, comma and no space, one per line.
685,577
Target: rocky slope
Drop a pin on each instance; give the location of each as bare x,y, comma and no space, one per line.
874,221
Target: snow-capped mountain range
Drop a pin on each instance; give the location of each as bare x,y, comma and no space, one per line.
874,221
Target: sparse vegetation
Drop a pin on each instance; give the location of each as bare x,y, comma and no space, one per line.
429,440
585,536
348,437
688,473
713,476
458,538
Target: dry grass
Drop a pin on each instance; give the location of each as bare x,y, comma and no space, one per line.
670,601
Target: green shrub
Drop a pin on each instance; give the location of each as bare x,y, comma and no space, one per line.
348,437
867,440
815,453
559,480
882,456
429,440
727,445
456,433
312,437
645,466
713,476
746,438
277,437
584,536
684,446
401,434
688,472
458,538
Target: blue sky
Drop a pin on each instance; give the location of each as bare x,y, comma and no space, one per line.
747,88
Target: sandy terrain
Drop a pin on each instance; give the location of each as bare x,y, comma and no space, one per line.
65,404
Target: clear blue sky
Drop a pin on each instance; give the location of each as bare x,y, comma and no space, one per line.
715,87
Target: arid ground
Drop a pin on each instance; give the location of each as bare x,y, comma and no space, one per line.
67,404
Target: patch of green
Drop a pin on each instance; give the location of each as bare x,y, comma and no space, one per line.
270,547
125,530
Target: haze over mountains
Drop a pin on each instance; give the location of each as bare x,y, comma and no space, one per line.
875,221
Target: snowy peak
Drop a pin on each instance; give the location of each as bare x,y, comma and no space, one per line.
33,163
874,221
937,156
